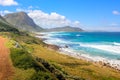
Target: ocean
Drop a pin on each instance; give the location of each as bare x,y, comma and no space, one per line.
97,46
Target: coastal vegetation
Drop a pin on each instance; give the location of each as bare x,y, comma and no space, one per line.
4,27
24,61
76,67
32,59
35,59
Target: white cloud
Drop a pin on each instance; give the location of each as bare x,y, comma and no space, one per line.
19,9
115,12
114,24
76,23
5,12
46,20
30,7
51,20
24,10
8,2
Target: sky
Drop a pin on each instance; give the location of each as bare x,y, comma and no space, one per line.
99,15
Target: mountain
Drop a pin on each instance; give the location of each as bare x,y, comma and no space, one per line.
2,19
66,28
22,21
6,27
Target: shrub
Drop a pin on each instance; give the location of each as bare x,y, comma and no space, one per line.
41,76
22,59
4,27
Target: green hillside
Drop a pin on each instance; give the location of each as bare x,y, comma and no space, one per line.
5,27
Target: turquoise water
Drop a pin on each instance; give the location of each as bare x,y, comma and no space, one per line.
94,44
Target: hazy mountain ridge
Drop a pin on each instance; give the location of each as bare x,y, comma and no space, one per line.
22,21
66,28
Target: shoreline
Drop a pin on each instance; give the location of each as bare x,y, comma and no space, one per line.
102,63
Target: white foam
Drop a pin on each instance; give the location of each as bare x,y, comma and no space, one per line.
117,44
45,35
55,41
78,35
113,63
115,47
109,48
72,52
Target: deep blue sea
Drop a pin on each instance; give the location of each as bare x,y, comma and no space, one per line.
94,45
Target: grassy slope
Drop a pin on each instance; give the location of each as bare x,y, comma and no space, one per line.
76,67
67,65
26,67
6,27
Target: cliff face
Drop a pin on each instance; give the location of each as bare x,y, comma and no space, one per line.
22,21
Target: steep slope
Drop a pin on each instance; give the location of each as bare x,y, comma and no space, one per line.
2,19
66,28
22,21
6,27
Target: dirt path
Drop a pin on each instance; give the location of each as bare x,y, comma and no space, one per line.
5,64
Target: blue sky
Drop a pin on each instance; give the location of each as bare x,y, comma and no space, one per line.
91,14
